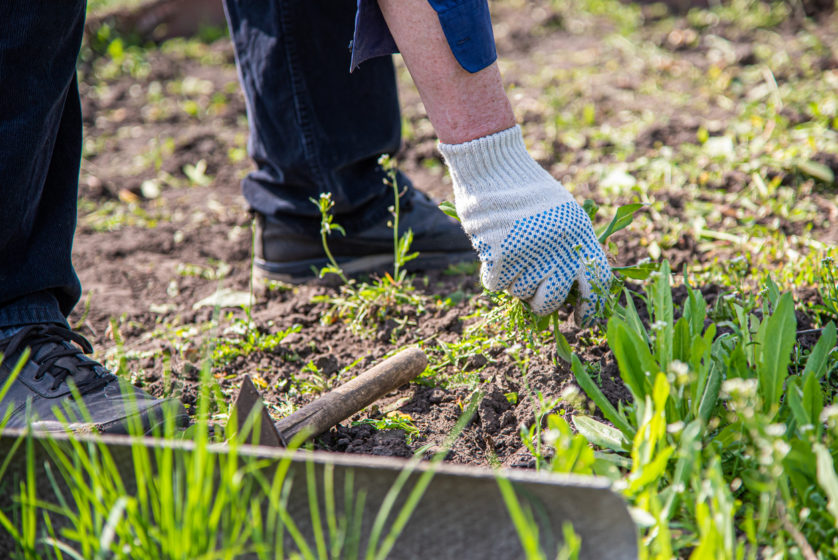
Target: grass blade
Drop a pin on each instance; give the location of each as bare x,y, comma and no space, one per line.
524,525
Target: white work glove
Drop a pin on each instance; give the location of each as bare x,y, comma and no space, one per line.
532,237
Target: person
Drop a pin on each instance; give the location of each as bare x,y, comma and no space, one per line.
315,127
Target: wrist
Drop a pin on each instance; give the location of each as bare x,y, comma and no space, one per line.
496,174
493,162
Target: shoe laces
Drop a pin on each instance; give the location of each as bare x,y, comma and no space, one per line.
87,374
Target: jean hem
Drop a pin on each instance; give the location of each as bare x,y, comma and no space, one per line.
31,310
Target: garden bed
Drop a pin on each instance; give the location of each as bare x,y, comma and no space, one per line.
723,122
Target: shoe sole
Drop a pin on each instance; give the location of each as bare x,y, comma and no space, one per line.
301,272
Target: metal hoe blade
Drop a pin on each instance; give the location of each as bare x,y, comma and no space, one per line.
461,514
248,401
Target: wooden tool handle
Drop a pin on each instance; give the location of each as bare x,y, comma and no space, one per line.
341,403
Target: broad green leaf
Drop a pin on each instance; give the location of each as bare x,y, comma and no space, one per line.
652,471
601,434
701,361
695,310
794,399
614,459
563,349
731,436
633,358
812,399
449,209
633,319
595,394
827,479
681,341
736,361
755,481
622,219
638,271
775,339
710,395
800,465
573,454
660,293
819,356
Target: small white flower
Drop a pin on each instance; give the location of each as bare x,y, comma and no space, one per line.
680,372
679,368
550,437
829,414
781,448
739,387
570,392
775,430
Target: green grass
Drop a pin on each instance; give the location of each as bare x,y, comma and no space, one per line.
162,502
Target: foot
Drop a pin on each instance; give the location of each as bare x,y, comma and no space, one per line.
285,255
43,386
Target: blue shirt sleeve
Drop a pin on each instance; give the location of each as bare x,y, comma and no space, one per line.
466,23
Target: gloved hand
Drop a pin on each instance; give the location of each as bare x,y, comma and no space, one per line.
532,237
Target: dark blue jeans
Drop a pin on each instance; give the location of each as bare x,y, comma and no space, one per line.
314,128
40,150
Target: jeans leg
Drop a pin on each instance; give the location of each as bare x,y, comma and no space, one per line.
40,152
314,127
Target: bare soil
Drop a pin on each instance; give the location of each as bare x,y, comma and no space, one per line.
167,250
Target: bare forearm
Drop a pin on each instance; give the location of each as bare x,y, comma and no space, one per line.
461,106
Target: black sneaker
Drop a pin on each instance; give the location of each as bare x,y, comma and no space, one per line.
284,254
44,384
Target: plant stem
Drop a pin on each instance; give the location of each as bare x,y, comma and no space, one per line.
331,258
392,174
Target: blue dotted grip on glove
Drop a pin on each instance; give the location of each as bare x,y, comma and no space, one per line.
541,257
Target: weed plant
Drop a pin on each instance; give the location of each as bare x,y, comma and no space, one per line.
828,289
365,305
727,447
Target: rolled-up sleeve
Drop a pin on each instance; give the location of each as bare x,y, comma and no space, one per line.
466,23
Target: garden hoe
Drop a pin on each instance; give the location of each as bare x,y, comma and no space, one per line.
452,511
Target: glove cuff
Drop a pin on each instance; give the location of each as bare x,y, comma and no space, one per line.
492,164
